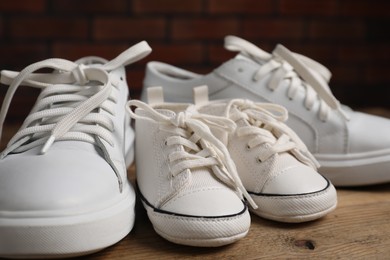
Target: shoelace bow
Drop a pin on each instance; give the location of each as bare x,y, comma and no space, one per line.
288,65
267,126
189,130
61,107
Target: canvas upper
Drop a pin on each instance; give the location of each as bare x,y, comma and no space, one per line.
186,178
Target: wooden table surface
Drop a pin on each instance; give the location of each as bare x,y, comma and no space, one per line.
359,228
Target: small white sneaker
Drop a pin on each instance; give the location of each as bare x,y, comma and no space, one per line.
63,181
186,178
274,165
353,148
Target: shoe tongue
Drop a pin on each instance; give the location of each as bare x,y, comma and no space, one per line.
166,112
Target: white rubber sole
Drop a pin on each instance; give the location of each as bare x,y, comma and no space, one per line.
200,231
207,242
357,170
297,218
296,208
69,236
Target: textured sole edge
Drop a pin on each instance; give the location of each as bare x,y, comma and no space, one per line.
295,219
313,211
211,239
211,242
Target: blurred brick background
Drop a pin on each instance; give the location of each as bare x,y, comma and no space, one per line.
350,37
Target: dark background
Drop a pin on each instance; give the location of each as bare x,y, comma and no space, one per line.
350,37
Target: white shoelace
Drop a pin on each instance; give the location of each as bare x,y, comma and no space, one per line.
300,70
266,127
66,108
200,147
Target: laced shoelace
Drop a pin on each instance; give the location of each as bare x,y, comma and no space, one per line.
266,127
201,148
67,108
299,69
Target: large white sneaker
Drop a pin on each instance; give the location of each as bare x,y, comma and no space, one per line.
63,183
186,178
274,165
353,148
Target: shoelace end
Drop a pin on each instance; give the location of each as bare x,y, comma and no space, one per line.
248,198
48,143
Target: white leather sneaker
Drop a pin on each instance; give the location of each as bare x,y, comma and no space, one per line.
274,165
63,184
353,148
186,178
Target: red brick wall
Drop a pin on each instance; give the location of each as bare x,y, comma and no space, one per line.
351,37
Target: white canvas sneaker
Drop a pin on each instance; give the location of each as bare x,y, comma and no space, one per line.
63,183
353,148
274,165
186,178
